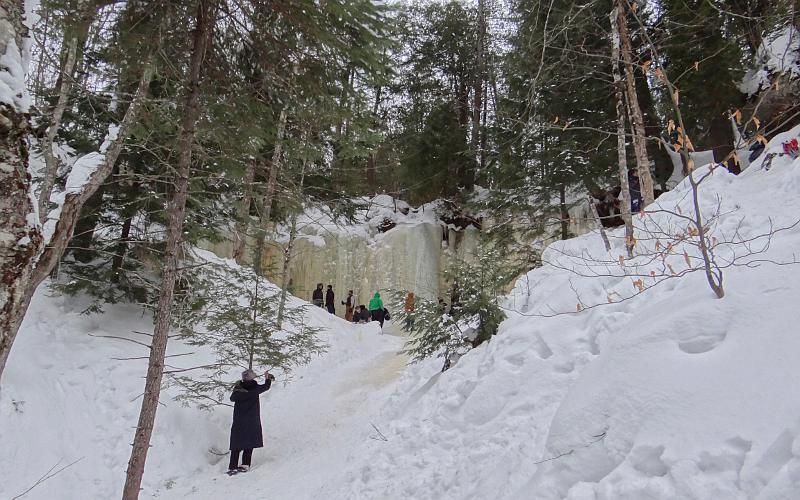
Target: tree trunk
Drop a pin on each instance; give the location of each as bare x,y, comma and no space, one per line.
625,190
274,168
287,259
287,252
176,213
596,217
243,222
371,160
562,205
478,83
122,249
265,211
21,238
636,119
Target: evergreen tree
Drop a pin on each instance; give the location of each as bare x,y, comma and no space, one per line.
473,314
234,312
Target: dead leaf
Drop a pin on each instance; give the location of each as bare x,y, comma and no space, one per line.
621,260
675,96
670,126
687,259
760,138
696,65
658,245
555,120
690,165
646,65
738,116
638,284
671,269
757,122
579,307
652,274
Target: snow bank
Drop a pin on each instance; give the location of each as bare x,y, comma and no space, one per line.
668,394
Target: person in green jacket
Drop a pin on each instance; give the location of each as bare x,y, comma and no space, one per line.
376,308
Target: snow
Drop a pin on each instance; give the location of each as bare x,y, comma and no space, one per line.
778,54
12,80
668,394
66,398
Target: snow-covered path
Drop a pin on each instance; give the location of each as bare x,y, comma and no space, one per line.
312,425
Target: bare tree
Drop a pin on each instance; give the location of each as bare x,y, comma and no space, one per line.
176,212
634,111
622,162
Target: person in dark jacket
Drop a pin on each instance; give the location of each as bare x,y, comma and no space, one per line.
316,297
246,427
364,317
349,306
329,300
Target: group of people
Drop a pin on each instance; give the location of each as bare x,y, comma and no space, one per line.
356,314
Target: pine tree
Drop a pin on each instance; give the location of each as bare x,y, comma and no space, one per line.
473,315
234,312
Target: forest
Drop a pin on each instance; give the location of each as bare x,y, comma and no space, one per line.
133,131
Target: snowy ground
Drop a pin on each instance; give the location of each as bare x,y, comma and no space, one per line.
65,398
672,394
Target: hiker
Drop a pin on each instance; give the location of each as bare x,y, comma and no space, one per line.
348,311
329,300
376,308
316,298
365,316
408,307
246,427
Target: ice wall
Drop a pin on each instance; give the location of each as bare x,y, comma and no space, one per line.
410,256
407,257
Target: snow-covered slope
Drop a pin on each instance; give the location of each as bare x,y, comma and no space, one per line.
65,399
670,394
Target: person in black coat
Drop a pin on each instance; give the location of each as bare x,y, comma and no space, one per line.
329,300
316,297
246,428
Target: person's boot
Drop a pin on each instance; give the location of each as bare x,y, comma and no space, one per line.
243,468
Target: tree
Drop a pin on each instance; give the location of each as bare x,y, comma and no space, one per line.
235,313
204,19
474,313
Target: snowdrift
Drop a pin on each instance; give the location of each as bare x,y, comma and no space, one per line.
670,393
